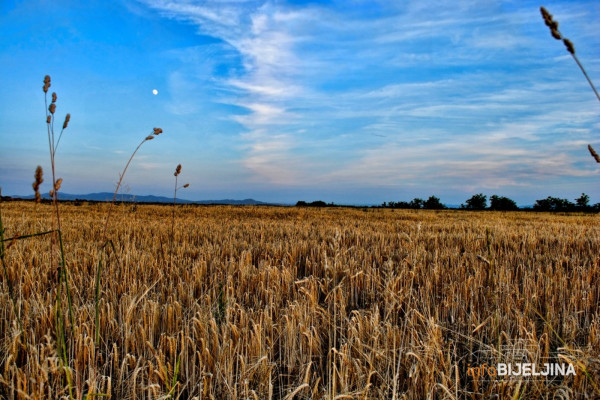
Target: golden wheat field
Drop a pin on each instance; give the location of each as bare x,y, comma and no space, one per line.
299,303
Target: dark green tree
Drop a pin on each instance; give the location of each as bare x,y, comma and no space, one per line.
433,203
501,203
416,203
476,202
553,204
583,201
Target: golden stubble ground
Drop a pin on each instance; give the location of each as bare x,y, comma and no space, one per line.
269,302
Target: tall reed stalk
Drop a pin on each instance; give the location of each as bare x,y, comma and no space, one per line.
62,270
176,174
105,240
552,24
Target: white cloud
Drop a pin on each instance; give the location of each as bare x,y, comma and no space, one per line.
448,92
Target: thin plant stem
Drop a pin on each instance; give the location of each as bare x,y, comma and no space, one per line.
19,237
173,224
586,75
122,175
62,273
104,236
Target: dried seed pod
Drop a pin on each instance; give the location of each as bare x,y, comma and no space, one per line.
594,154
52,108
569,46
555,34
39,178
67,119
46,83
157,131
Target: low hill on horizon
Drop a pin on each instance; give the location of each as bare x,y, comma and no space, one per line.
130,198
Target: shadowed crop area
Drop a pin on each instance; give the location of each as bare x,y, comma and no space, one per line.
291,302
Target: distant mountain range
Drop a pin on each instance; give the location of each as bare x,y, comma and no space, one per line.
107,196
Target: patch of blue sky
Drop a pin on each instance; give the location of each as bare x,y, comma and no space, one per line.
284,98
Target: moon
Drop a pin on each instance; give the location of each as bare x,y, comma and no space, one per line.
154,92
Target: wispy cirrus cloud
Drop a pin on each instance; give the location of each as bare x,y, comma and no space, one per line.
330,94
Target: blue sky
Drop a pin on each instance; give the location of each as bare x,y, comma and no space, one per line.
345,101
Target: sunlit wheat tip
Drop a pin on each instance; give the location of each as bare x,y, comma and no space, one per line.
52,108
157,131
67,119
54,97
594,154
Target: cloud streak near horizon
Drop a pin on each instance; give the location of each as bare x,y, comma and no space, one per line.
371,101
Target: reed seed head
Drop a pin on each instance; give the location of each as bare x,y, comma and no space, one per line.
46,83
149,137
594,154
157,131
57,184
48,119
39,178
52,108
54,97
569,46
177,170
551,23
51,193
545,14
39,175
67,119
187,185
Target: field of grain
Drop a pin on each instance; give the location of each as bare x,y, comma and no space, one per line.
303,303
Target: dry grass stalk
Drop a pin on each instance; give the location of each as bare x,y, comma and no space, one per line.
105,241
553,26
172,237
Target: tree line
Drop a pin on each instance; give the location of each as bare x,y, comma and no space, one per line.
500,203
